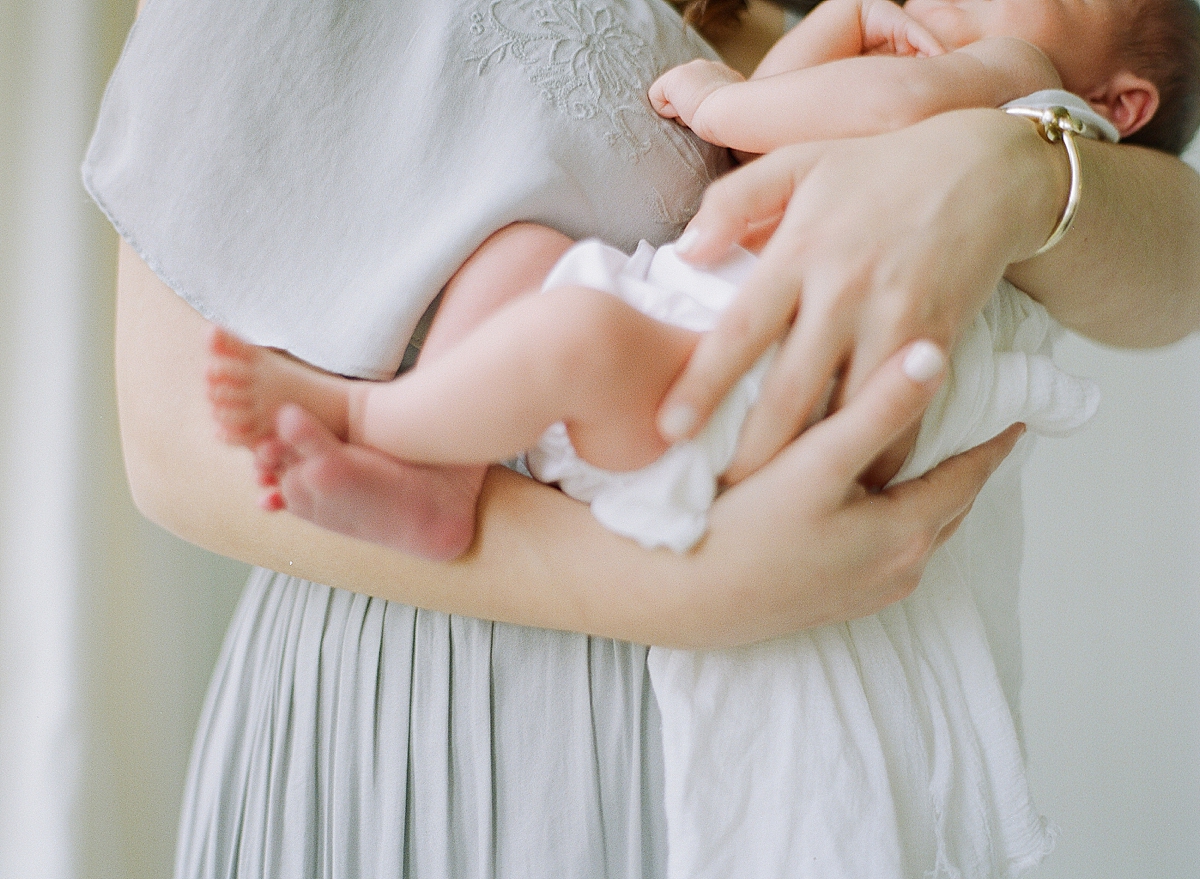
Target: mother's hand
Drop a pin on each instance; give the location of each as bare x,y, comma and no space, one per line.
870,243
802,542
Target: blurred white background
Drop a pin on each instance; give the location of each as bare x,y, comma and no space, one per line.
1111,621
108,626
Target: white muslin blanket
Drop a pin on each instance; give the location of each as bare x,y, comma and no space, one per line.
884,747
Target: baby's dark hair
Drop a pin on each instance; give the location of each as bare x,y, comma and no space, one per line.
714,16
711,16
1162,43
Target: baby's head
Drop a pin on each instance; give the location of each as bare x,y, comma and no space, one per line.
1136,61
1163,44
711,17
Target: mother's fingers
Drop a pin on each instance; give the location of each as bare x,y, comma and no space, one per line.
893,398
743,201
759,316
913,518
792,394
939,500
743,204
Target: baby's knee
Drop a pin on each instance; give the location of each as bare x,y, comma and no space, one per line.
586,328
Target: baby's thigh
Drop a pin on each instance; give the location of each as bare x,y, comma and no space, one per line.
510,263
618,364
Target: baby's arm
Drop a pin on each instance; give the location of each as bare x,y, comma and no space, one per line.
855,97
839,29
835,30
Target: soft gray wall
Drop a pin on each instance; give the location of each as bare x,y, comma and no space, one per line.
1111,620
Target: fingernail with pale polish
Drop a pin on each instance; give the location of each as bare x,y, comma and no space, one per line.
924,361
676,422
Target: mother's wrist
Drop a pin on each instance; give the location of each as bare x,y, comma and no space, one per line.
1017,182
1057,125
1039,186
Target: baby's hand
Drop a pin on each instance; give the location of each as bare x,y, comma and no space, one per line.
680,92
888,30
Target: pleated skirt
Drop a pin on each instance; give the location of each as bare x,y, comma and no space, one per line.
347,737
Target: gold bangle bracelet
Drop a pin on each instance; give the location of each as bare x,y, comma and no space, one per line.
1055,124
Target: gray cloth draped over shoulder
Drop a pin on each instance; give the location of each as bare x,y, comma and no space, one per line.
309,174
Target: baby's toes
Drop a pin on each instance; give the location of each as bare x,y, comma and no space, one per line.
231,400
225,377
302,434
272,501
224,345
269,461
238,425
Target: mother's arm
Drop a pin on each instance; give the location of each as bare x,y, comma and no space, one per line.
800,545
1128,274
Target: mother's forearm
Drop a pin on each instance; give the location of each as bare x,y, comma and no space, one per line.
1128,271
539,557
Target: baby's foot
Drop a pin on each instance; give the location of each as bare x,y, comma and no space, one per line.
360,492
247,384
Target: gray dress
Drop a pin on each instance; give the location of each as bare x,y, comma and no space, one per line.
309,174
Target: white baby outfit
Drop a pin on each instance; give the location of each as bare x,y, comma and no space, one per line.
664,503
872,748
1000,373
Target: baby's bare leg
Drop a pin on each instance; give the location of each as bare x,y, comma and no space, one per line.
573,354
293,418
428,511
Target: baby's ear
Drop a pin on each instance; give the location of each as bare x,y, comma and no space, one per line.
1127,100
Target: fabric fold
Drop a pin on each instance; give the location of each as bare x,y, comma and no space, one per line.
886,746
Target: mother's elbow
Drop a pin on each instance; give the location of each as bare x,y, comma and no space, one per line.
185,487
148,487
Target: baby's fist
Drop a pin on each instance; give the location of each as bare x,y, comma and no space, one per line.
679,92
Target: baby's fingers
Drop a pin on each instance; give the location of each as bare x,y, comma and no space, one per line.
660,96
679,92
922,42
889,30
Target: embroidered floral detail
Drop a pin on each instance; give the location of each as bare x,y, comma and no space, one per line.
581,55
